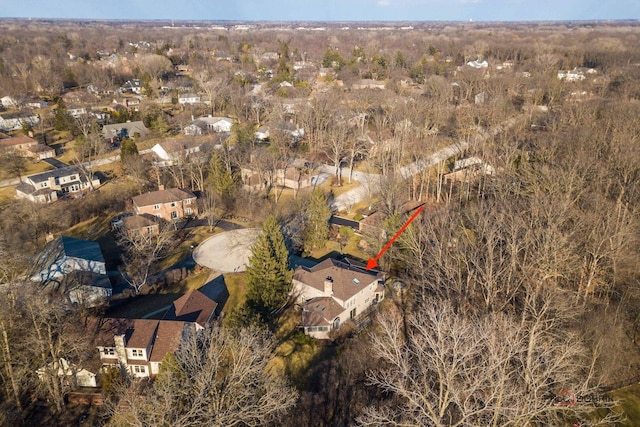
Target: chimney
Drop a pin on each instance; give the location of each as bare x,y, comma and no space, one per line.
160,187
328,286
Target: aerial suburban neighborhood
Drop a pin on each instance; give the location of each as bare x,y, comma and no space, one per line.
319,223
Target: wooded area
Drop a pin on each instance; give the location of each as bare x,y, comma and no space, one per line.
519,281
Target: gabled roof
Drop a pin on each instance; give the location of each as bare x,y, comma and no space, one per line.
56,173
80,248
102,331
135,222
17,140
194,306
131,127
167,339
347,279
162,196
143,333
320,311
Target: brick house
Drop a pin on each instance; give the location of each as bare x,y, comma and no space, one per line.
171,204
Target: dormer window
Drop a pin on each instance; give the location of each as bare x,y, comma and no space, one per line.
156,207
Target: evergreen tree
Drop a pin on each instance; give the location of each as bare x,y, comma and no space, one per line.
268,275
128,148
221,179
317,216
61,119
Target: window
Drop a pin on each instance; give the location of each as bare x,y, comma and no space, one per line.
156,207
187,202
173,204
137,353
158,215
109,351
139,369
352,313
188,211
149,230
174,215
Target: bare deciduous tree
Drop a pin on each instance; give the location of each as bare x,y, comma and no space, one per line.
218,377
444,368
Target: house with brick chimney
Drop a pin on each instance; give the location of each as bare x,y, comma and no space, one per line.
334,292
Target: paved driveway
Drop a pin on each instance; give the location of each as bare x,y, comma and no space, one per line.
227,252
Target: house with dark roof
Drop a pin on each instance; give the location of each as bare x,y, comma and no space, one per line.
46,187
334,292
136,346
131,86
171,204
75,266
120,131
143,224
195,307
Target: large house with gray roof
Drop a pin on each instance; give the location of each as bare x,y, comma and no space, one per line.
119,131
47,187
332,293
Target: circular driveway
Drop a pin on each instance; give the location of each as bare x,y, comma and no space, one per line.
227,252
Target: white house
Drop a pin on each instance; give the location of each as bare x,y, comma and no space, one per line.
174,151
209,124
188,98
46,187
76,377
14,121
332,293
78,266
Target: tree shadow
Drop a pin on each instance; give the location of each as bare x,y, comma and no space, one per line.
217,290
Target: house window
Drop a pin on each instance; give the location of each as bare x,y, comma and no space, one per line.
44,184
137,353
109,351
173,204
352,314
156,207
158,215
139,369
188,211
187,202
149,230
174,215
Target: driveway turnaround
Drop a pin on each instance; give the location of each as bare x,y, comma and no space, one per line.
227,252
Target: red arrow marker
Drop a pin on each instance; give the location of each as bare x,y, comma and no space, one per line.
373,262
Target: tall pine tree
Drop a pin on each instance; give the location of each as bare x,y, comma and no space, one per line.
316,228
268,275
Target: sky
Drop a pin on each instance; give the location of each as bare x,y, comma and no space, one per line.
325,10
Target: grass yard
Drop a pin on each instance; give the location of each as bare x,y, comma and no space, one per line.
237,288
295,352
192,236
630,397
333,248
7,193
